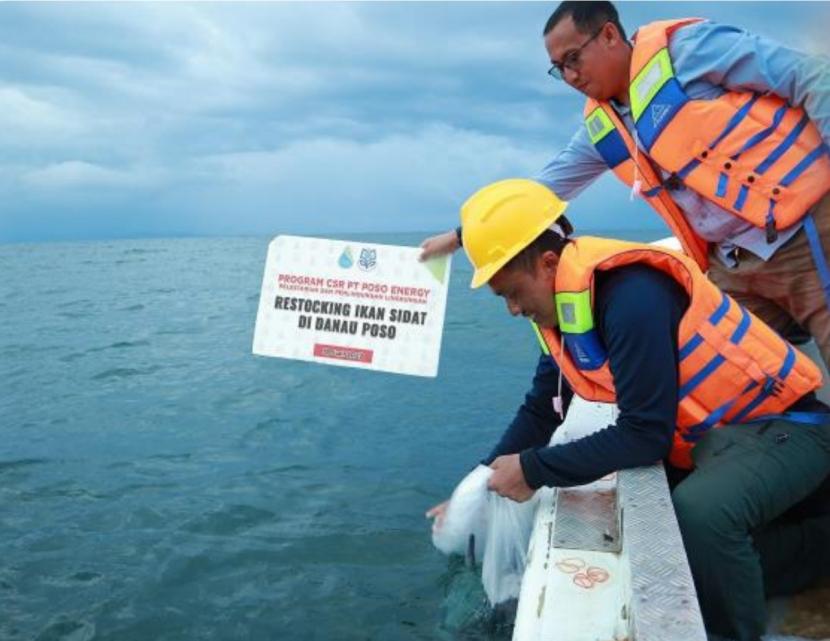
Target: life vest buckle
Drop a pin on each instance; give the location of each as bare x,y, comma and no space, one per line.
773,386
674,182
772,232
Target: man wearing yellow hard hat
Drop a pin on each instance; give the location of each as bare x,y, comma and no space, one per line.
699,381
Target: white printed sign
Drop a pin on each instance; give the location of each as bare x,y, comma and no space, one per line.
352,304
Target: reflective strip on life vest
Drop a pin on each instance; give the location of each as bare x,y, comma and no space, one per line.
599,125
656,96
606,139
576,324
656,73
542,342
662,109
574,312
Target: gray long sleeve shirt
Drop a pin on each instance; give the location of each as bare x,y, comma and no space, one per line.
709,60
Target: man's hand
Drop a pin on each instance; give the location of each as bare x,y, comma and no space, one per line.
439,245
438,512
508,480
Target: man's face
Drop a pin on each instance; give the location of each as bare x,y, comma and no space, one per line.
529,294
588,61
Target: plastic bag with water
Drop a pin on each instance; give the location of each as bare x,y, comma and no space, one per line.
466,515
500,529
509,527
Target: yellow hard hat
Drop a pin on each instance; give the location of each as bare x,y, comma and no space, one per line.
501,219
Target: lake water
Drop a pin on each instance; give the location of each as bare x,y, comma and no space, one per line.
157,481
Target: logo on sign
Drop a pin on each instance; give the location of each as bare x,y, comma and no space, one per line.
368,259
346,260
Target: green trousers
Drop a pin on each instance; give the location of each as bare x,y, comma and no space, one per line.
755,519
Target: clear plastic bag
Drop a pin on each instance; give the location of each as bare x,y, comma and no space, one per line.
466,515
509,527
501,529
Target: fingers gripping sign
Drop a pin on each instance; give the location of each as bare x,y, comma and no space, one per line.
439,245
508,480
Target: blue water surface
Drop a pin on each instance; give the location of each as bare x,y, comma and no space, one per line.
158,481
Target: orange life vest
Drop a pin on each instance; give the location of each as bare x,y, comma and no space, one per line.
733,367
753,155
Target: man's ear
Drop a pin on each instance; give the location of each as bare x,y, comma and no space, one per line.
610,34
548,262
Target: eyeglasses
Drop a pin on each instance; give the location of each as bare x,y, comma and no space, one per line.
573,59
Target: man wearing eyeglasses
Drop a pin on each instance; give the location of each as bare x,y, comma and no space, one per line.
725,134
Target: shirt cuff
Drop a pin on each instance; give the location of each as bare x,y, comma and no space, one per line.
531,469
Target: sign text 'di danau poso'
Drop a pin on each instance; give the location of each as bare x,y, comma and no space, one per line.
353,304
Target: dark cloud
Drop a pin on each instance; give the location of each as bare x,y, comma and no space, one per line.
154,118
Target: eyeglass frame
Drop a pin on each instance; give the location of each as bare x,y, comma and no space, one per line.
573,59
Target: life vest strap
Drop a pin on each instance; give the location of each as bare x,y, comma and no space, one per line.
731,350
766,133
781,149
804,418
769,224
723,184
740,201
769,388
795,172
743,112
696,432
735,120
671,183
802,166
697,339
728,349
818,255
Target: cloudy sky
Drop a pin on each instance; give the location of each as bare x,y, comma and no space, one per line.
168,119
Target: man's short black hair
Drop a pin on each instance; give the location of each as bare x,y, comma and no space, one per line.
548,240
587,16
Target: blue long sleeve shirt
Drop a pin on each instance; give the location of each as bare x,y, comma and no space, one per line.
637,313
710,59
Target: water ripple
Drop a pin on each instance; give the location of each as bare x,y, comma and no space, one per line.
8,466
67,630
125,372
232,519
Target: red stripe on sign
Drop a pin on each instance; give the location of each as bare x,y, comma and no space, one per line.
343,353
